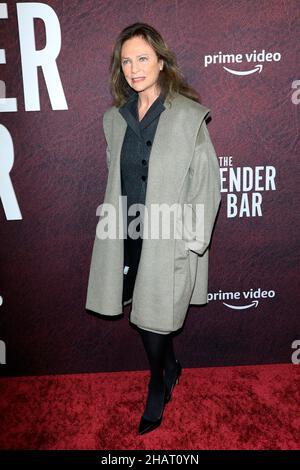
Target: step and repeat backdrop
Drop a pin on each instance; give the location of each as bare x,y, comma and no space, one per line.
243,58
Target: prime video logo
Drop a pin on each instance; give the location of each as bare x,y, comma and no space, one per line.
247,58
247,299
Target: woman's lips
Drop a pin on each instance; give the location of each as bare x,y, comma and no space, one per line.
138,79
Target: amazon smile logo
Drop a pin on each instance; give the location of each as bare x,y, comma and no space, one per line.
243,300
249,59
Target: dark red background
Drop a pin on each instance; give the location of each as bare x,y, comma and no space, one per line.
59,177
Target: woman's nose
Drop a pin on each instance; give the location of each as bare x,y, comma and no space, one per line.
134,67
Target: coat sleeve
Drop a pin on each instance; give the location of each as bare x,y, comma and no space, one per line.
204,189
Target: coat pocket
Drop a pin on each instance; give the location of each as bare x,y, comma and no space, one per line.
184,281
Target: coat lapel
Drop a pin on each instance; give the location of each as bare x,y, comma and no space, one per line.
130,113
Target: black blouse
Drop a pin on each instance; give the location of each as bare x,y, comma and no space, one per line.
136,147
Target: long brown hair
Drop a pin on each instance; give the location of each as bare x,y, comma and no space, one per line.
170,79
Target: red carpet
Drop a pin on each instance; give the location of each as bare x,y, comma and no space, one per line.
245,407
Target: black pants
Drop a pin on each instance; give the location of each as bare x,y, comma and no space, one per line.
132,253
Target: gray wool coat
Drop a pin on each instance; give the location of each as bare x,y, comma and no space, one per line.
173,272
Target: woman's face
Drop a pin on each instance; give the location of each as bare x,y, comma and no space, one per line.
139,61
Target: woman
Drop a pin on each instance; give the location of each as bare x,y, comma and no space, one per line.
158,153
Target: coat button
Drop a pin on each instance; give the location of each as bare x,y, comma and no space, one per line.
144,178
144,162
149,143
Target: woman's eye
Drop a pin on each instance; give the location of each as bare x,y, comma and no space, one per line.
141,58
